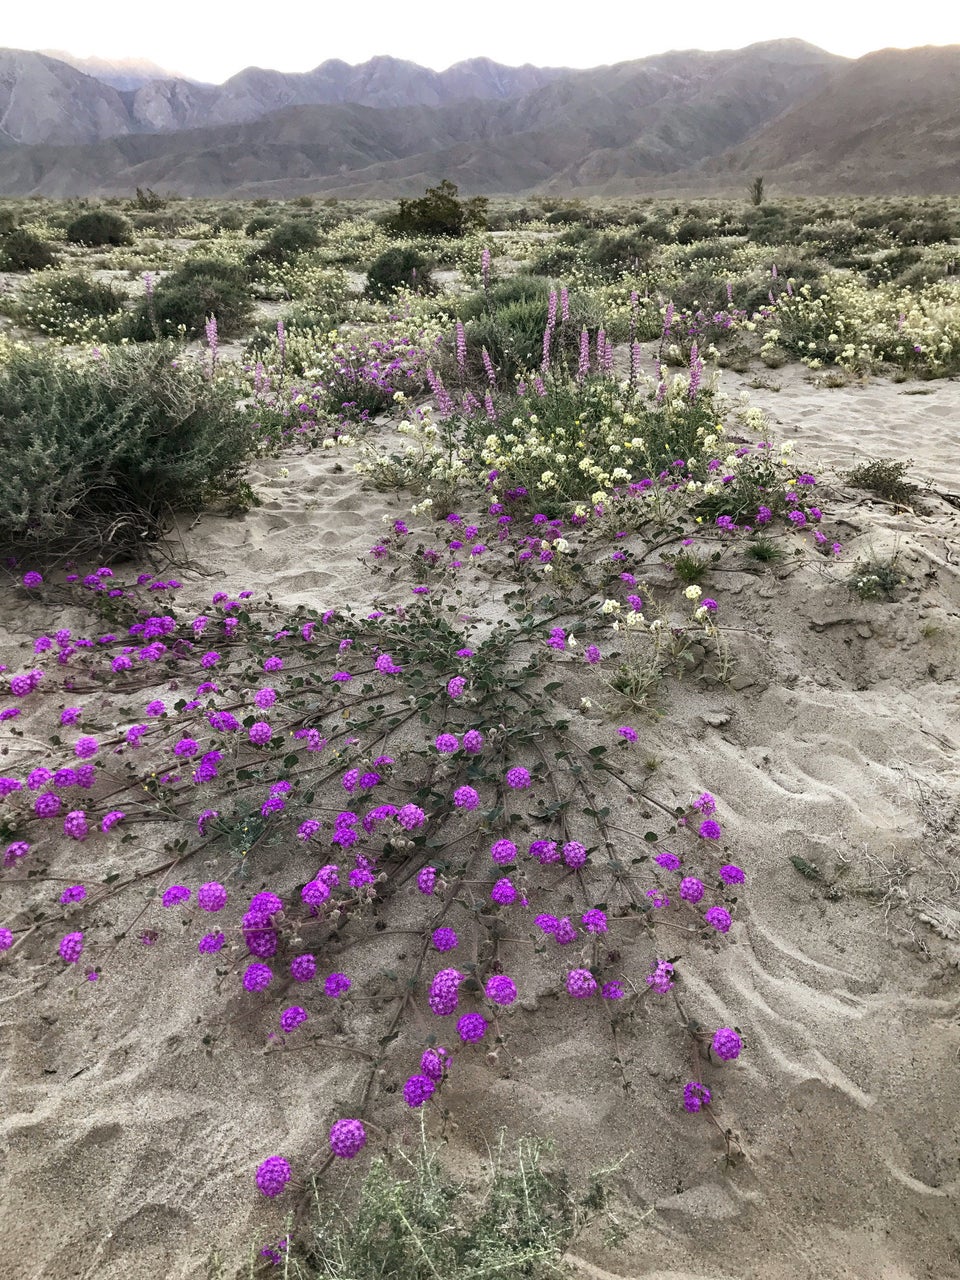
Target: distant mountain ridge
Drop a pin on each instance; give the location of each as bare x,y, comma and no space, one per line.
120,73
685,120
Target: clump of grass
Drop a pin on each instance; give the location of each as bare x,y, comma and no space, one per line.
876,578
765,550
886,477
689,567
413,1220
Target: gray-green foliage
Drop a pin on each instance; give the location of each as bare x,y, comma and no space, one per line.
100,451
422,1224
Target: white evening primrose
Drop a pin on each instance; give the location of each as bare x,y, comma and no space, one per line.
693,592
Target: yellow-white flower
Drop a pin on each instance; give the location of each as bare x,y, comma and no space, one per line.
693,592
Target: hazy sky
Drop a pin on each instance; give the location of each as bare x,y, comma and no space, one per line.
213,41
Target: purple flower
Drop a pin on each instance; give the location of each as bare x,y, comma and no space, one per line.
594,921
264,698
626,732
6,939
76,893
445,939
669,861
473,741
657,898
444,992
155,708
203,818
691,889
111,819
336,985
32,579
447,743
503,852
544,851
260,733
211,943
307,829
719,918
272,1176
503,892
710,830
347,1138
69,715
581,983
695,1096
456,686
591,654
176,894
257,977
426,879
574,854
292,1018
518,778
14,852
86,747
705,804
418,1090
726,1044
211,896
273,664
71,947
471,1027
731,874
303,968
613,991
74,824
410,816
500,989
466,798
661,979
434,1062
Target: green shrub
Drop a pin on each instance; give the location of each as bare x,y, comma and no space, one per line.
887,478
99,227
70,305
106,448
8,220
22,250
200,287
259,223
440,212
288,239
518,288
396,268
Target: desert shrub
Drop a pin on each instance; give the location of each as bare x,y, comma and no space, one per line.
164,224
399,268
887,478
259,223
440,212
149,200
518,288
70,305
286,241
230,220
200,287
99,227
876,577
612,254
107,447
23,250
8,220
691,230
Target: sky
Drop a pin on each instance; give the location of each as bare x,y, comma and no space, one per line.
213,41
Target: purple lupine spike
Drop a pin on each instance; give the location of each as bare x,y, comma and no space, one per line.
696,372
213,339
773,271
547,342
604,353
148,284
668,319
485,268
470,403
461,347
488,365
538,386
635,354
281,340
489,406
564,303
441,395
730,292
789,289
552,309
583,367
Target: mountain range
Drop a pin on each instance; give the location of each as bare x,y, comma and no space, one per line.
685,121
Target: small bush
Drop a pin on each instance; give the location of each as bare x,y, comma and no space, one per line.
876,578
22,250
72,306
397,268
99,227
886,477
199,288
8,220
286,241
107,448
440,212
259,223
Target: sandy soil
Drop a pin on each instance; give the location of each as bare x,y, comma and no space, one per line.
129,1148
